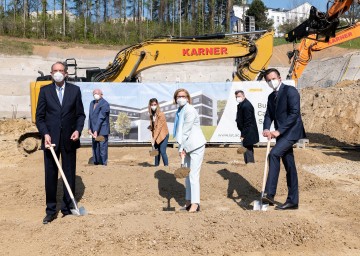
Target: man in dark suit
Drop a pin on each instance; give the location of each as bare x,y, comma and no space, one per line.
99,126
283,108
60,119
246,123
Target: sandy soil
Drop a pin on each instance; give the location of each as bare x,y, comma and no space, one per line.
128,200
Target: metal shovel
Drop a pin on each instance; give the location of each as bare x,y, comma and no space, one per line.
77,211
183,171
258,205
153,151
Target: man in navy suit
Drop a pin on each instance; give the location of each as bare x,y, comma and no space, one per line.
283,108
60,119
246,123
99,127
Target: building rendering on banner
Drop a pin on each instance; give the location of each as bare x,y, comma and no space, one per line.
139,117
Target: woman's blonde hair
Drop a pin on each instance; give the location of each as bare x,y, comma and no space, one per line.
182,90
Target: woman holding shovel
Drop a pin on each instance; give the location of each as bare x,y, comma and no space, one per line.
188,134
159,131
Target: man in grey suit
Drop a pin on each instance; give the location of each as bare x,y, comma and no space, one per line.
99,127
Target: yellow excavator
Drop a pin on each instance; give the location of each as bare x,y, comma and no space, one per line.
319,32
251,50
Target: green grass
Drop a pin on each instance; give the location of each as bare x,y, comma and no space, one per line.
11,47
352,44
279,41
208,131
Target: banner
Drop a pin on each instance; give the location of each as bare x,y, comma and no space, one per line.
215,103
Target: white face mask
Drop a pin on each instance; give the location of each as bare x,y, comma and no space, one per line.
153,108
181,101
58,77
274,84
239,99
97,97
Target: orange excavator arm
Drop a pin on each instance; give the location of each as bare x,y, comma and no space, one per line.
301,56
319,23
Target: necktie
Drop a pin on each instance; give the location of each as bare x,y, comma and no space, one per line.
60,95
95,104
275,94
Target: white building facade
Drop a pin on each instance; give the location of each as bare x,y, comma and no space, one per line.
279,16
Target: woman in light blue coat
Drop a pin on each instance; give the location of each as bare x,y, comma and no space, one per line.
191,140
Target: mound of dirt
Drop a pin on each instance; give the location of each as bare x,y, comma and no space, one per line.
332,115
10,131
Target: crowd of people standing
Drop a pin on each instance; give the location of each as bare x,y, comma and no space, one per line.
60,119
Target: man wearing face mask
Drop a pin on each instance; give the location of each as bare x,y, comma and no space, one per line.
60,119
246,123
99,127
283,108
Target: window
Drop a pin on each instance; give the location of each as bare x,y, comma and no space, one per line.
196,100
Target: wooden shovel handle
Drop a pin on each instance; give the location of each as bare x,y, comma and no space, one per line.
51,147
266,166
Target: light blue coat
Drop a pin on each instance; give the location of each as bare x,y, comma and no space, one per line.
189,134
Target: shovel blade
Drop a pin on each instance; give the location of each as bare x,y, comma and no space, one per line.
258,206
79,212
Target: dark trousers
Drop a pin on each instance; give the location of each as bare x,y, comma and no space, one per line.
249,154
162,151
100,151
68,163
283,149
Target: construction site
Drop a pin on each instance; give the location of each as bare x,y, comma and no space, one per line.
133,206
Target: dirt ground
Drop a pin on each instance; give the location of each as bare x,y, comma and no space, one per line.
134,207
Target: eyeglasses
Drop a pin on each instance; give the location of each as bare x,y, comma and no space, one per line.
180,96
153,105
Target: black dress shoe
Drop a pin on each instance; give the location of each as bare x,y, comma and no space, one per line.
65,214
287,206
49,218
268,200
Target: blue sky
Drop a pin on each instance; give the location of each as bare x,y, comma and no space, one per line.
289,4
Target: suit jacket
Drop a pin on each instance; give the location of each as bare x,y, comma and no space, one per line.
192,136
246,123
284,110
60,121
159,127
99,117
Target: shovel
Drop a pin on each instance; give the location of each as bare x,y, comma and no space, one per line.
100,138
258,205
183,171
77,211
153,151
241,150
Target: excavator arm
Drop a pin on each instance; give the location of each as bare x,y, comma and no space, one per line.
252,51
319,23
301,56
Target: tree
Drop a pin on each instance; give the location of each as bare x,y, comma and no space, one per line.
258,10
123,124
353,14
287,27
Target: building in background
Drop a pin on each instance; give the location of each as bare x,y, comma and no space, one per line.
240,22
